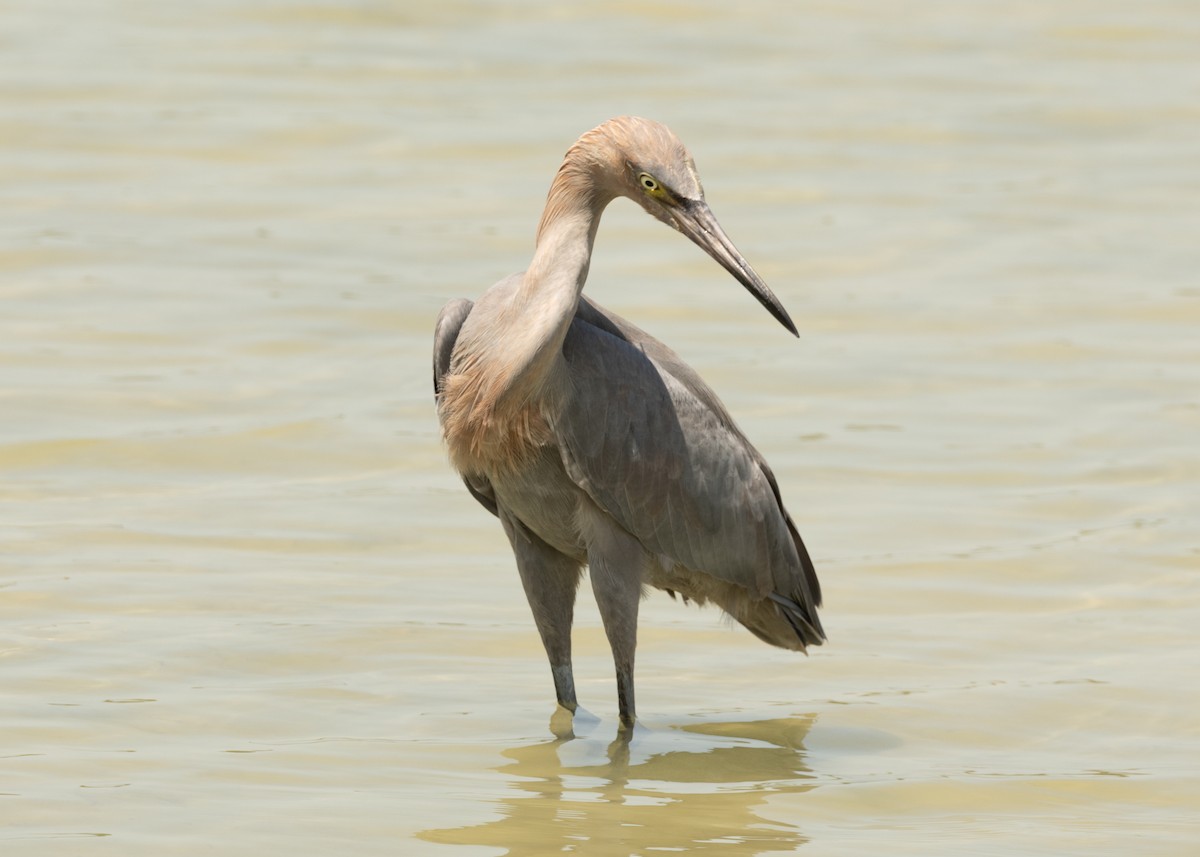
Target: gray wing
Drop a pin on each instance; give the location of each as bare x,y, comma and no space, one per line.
650,442
445,334
449,323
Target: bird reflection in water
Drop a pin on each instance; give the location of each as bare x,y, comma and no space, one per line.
694,789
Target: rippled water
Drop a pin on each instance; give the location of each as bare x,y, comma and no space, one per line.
246,607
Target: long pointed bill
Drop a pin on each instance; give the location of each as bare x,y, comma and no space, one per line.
695,220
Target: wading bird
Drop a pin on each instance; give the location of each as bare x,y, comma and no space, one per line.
595,444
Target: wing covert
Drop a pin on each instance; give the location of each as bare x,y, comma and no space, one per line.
672,469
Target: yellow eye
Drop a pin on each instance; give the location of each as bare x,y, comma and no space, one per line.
649,183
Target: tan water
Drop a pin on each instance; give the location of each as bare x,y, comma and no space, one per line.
246,608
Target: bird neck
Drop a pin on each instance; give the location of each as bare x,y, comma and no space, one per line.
506,378
550,288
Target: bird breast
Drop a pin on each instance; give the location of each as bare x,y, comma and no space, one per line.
485,432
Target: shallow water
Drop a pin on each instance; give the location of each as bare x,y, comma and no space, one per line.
245,606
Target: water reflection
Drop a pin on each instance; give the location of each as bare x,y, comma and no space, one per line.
691,789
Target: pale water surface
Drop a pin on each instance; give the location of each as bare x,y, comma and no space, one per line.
247,609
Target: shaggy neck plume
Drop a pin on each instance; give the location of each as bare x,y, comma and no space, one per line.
488,406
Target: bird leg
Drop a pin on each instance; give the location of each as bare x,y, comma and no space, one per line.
550,580
615,560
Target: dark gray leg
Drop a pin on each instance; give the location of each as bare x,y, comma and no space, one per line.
615,560
550,580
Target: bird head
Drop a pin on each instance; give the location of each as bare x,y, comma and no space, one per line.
644,161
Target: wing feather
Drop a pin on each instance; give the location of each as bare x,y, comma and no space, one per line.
449,323
651,444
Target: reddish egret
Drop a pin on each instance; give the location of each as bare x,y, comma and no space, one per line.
595,444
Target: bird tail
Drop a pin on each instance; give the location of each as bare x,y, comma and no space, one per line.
804,622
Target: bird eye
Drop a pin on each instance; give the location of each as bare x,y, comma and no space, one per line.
649,183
